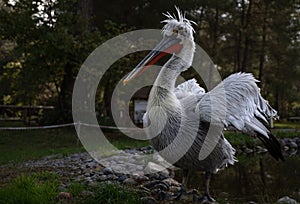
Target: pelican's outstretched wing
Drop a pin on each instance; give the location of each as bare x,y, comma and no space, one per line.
187,88
237,102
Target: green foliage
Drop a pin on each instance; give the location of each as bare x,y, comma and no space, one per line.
40,56
49,52
239,139
30,189
76,188
114,194
17,146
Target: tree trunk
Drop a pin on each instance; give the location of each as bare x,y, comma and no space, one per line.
247,37
263,45
214,48
66,93
240,37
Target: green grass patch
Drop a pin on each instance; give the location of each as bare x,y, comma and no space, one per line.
18,146
113,194
286,125
76,188
22,145
121,141
43,188
236,138
37,188
286,134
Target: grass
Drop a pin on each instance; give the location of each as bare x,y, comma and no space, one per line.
113,194
22,145
37,188
287,125
18,146
43,188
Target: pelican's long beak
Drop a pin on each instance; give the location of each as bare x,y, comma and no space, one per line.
167,45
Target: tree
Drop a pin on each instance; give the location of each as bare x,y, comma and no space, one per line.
51,43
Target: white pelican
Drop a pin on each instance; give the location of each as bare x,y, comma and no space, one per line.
175,110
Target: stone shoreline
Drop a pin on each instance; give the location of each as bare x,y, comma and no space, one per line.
156,186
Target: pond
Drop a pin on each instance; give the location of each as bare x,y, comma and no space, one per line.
254,178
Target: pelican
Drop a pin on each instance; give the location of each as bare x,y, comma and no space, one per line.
183,114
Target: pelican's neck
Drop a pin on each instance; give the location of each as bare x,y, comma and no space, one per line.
169,73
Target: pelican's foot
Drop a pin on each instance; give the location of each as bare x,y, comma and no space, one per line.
206,199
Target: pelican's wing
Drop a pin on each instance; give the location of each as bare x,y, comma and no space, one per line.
237,102
189,94
188,88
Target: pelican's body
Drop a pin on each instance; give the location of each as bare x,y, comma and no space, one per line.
178,119
181,114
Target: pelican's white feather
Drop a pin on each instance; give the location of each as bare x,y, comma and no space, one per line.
190,87
243,105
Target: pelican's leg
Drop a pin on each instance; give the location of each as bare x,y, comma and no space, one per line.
185,173
182,190
207,197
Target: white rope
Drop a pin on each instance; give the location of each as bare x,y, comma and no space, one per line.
37,127
69,124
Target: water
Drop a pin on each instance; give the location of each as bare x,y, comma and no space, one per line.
254,178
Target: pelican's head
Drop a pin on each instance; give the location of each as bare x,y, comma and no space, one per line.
177,39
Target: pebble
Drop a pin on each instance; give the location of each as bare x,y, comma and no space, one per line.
64,196
286,200
293,145
107,170
149,200
155,182
130,182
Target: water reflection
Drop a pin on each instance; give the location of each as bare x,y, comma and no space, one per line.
254,178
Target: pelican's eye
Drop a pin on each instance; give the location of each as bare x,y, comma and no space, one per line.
175,31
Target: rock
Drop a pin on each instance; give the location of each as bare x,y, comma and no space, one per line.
139,177
248,150
107,170
54,156
153,168
286,200
121,178
285,148
147,150
130,181
293,145
163,175
64,196
144,191
260,149
87,174
161,195
102,178
171,182
296,140
151,184
149,200
86,193
162,186
153,176
131,151
112,177
175,189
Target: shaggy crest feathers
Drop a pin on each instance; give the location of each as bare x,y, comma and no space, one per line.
179,19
